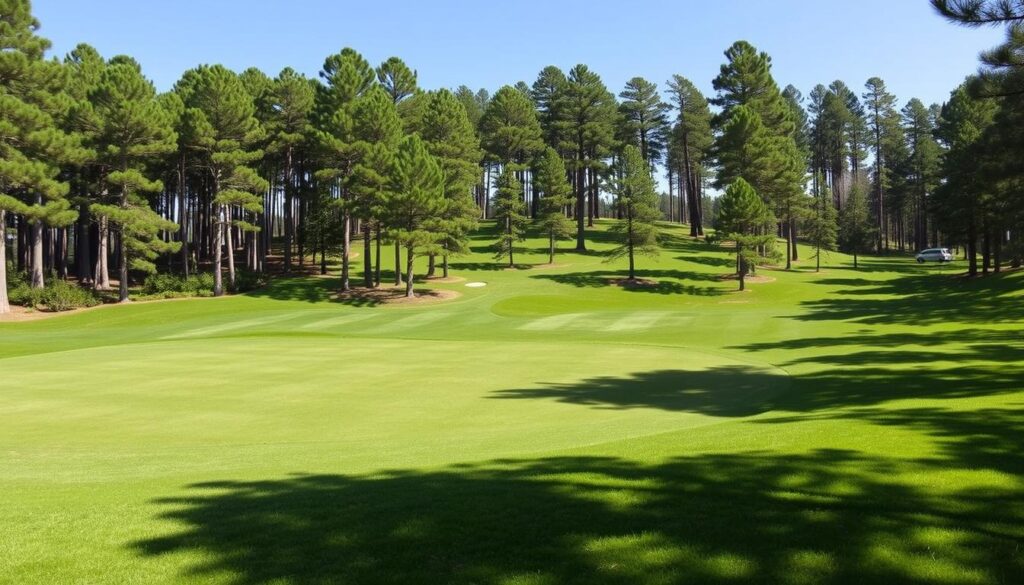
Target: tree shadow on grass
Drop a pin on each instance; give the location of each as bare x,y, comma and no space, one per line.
323,290
740,391
920,299
732,391
827,516
603,279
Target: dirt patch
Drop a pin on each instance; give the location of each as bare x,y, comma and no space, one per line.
20,314
395,295
633,282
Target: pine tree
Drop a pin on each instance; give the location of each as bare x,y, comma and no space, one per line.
32,144
346,76
886,134
548,92
378,130
415,197
510,215
821,224
964,203
692,140
221,123
742,219
291,99
510,129
588,115
131,130
636,231
777,166
646,119
400,82
85,66
555,197
451,139
855,231
923,176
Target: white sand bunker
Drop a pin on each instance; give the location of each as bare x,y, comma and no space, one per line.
476,284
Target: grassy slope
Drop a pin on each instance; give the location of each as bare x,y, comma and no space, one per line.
844,427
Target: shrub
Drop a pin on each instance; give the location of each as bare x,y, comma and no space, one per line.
60,295
246,280
169,286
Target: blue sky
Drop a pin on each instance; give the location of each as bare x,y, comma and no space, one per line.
455,42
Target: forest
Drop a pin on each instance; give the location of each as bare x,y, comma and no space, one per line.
237,174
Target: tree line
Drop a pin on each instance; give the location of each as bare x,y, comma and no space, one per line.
100,173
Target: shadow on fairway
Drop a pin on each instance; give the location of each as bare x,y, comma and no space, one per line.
722,391
827,516
603,279
320,290
920,299
739,391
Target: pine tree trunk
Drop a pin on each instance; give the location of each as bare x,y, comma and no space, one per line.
229,246
398,264
431,261
581,196
101,281
408,272
346,246
368,255
376,260
218,238
444,265
5,306
83,247
792,237
122,285
37,252
289,225
551,248
183,217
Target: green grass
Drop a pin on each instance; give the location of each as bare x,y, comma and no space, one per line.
852,426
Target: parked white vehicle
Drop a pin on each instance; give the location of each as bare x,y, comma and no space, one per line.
934,255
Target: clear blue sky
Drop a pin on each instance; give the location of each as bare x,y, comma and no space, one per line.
453,42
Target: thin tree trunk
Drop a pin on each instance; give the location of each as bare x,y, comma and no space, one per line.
431,261
408,272
229,247
289,226
37,251
101,281
83,247
346,246
398,264
444,265
183,217
376,260
368,255
218,238
5,306
581,212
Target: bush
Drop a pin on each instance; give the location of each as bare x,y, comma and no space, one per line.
246,280
59,295
170,286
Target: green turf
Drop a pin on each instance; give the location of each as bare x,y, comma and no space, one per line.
843,427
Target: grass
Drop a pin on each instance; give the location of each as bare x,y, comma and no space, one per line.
852,426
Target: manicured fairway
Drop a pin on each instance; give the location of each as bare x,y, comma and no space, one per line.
843,427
